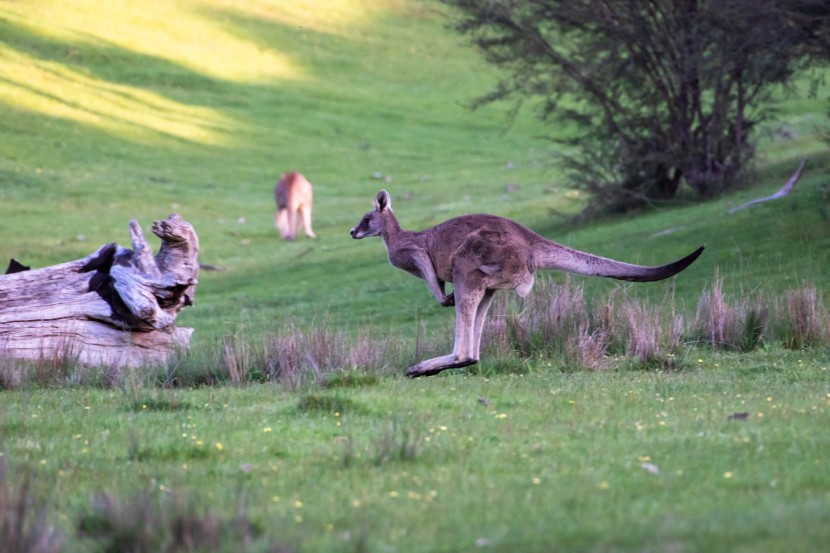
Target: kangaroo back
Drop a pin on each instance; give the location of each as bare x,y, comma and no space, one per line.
550,255
292,191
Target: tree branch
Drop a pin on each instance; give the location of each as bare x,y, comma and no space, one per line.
783,191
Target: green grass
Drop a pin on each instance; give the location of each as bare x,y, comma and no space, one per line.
110,114
544,461
112,111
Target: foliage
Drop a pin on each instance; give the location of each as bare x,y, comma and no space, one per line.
654,94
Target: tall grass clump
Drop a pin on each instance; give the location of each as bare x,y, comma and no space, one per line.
54,369
554,322
755,324
400,442
430,344
236,358
798,319
324,354
559,316
557,322
294,357
717,321
653,336
23,525
147,524
802,319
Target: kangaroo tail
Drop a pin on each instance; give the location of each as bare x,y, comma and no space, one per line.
550,255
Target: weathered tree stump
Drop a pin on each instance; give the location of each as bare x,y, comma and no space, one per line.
116,307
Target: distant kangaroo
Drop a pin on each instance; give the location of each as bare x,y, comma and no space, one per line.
480,254
294,198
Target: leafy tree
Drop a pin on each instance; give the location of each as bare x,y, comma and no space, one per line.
651,94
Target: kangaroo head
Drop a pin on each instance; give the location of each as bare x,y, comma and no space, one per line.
373,222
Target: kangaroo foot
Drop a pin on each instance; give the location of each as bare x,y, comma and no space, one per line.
434,366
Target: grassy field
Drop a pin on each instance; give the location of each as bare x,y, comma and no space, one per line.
546,461
111,111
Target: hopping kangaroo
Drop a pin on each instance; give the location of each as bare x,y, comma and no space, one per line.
293,195
480,254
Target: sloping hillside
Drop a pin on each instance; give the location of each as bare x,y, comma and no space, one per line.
111,111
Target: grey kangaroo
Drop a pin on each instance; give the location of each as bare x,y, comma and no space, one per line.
480,254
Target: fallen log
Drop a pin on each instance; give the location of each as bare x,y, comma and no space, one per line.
116,307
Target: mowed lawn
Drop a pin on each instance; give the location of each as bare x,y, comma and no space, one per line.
113,111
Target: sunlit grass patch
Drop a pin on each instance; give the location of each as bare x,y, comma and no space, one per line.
326,16
130,112
151,32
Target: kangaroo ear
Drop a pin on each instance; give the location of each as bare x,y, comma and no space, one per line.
383,201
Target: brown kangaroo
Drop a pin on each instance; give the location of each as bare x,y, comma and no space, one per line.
480,254
294,198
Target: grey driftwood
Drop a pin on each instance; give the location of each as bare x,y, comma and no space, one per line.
480,254
115,307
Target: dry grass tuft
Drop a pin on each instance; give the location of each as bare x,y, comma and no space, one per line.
803,319
54,369
237,358
589,350
556,322
23,525
653,335
297,357
716,322
147,524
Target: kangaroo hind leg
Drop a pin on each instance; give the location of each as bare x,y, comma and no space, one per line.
292,223
465,350
281,222
481,316
305,212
